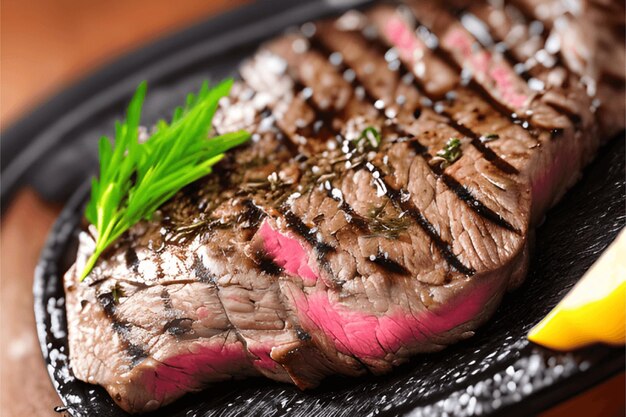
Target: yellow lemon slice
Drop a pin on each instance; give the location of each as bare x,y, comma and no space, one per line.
594,311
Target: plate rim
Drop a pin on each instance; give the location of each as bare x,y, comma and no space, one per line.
79,91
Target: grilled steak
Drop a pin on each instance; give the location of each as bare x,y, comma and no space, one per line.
344,239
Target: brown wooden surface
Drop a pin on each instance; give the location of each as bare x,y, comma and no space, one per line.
46,44
25,389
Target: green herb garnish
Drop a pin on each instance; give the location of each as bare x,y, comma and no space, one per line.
137,178
386,226
451,152
369,139
489,137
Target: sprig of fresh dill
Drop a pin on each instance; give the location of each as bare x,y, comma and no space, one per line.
137,178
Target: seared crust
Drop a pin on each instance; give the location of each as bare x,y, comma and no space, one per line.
307,254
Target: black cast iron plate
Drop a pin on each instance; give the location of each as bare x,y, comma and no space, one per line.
497,372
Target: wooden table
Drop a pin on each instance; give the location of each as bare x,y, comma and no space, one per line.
47,44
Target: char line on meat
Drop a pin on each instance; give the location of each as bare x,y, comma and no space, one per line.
401,157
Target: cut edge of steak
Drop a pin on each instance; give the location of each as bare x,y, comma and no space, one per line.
311,252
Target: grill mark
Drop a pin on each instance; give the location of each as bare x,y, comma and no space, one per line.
476,205
178,327
486,151
253,214
526,74
354,218
266,264
302,334
460,190
572,116
321,248
326,117
294,223
388,265
488,40
321,130
394,195
132,261
297,225
136,353
472,84
108,303
409,207
280,133
318,45
420,149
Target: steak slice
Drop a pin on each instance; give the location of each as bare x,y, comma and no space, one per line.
339,240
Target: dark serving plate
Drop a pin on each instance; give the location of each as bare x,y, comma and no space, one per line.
497,372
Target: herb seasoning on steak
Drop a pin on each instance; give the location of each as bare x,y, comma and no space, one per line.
401,158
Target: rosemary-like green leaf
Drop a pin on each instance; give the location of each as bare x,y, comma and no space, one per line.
451,152
137,178
489,137
368,140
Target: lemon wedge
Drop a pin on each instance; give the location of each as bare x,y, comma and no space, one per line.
594,311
